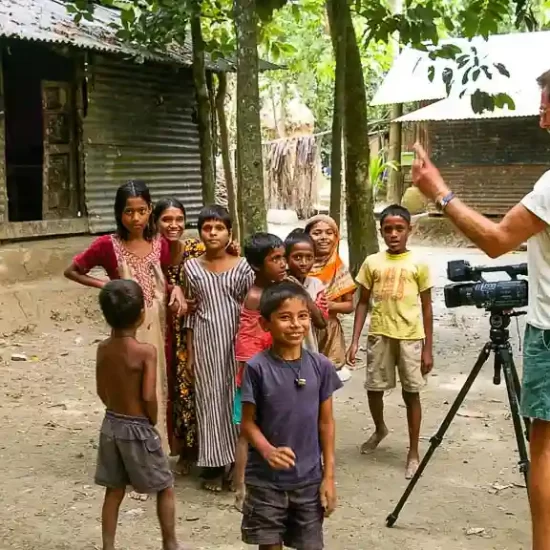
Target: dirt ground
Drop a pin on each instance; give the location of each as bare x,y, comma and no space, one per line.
471,496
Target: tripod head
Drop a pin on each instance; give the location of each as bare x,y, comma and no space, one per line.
500,321
500,336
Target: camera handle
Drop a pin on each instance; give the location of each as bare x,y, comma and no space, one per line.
499,344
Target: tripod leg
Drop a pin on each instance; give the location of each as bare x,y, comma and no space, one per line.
508,368
438,437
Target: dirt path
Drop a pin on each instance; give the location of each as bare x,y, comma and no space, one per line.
50,419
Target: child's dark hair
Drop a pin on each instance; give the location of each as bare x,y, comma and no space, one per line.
258,246
395,210
297,236
164,204
121,302
276,294
130,190
214,212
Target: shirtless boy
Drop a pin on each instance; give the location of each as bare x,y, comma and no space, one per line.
130,450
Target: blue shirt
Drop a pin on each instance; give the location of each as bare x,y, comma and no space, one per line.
288,415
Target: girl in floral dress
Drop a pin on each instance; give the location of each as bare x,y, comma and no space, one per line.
169,216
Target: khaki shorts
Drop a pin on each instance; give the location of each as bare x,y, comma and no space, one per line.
384,355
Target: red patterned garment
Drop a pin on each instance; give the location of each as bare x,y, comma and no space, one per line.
101,253
251,339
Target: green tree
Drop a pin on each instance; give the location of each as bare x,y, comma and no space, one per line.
249,144
203,105
421,24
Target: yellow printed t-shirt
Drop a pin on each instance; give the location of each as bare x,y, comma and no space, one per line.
395,282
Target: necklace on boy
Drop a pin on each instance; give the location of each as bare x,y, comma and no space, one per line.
299,382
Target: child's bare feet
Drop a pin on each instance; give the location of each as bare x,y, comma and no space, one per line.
138,496
183,467
213,485
374,440
412,466
239,497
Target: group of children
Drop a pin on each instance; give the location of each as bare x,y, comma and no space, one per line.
265,351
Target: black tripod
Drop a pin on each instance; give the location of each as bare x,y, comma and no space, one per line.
499,344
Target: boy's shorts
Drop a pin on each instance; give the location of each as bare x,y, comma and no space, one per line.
293,518
384,354
130,453
535,387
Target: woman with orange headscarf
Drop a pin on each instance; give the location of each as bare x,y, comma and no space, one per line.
339,288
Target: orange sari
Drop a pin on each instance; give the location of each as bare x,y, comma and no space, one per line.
334,274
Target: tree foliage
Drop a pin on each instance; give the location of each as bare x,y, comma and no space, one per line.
423,23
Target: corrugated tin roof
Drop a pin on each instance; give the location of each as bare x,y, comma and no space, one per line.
523,54
452,108
49,21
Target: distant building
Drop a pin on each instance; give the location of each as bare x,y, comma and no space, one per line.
491,160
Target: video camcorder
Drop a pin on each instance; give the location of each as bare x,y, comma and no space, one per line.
471,289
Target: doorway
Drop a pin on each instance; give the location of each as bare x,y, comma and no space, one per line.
41,170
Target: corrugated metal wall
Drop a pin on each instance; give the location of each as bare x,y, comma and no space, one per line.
139,126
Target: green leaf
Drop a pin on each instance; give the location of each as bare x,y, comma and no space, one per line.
447,77
449,25
431,73
504,100
475,74
462,60
128,16
502,69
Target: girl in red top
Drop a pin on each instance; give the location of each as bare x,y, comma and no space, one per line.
136,252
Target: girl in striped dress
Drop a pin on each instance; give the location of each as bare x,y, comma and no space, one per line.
219,282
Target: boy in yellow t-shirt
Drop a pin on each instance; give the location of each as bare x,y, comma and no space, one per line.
401,328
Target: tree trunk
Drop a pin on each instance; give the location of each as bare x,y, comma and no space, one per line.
338,34
394,192
249,137
203,108
361,223
213,119
226,158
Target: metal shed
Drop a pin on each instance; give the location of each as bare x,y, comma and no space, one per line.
81,113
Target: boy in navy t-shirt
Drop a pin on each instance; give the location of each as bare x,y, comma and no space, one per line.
288,422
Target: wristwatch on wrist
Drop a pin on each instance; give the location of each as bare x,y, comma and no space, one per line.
442,202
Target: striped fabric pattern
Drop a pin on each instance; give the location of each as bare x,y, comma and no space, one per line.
219,299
